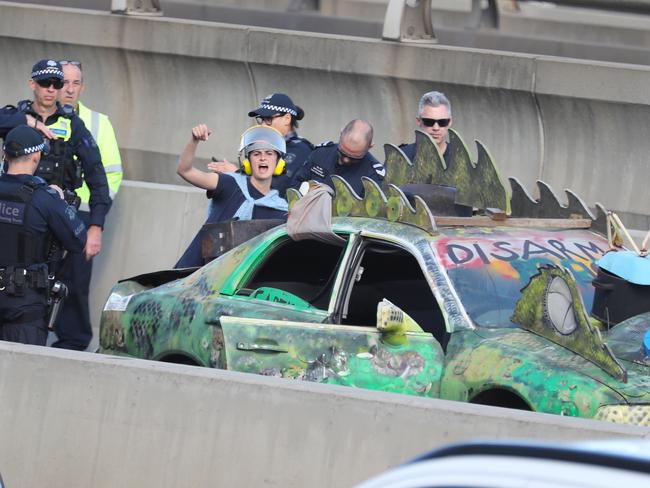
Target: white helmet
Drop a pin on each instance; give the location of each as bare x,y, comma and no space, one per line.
262,137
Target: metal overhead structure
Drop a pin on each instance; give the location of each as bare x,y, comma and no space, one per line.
136,7
408,21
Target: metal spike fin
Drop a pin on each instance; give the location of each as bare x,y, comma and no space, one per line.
489,188
428,164
423,216
549,203
394,204
576,206
346,201
600,223
461,169
521,202
398,167
374,199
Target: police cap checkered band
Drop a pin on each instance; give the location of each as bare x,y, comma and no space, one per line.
277,103
279,109
23,140
47,68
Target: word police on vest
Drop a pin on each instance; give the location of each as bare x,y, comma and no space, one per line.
11,212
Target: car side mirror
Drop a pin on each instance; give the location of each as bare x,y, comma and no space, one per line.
393,323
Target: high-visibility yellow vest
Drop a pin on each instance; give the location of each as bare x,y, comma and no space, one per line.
100,127
62,128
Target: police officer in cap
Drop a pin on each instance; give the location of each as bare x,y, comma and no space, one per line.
278,111
73,158
350,159
31,214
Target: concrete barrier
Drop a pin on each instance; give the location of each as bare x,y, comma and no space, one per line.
79,419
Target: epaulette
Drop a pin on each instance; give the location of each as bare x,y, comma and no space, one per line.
298,139
52,191
325,144
67,110
38,181
24,105
32,184
9,106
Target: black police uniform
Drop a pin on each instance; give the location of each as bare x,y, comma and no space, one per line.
30,214
74,156
323,163
298,149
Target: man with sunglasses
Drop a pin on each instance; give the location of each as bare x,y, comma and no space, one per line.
31,213
278,111
73,158
434,118
350,159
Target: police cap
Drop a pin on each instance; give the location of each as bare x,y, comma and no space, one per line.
47,68
277,103
23,140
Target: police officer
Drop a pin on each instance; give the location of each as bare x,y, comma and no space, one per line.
31,214
278,111
73,158
349,159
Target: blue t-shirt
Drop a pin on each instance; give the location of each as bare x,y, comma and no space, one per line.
226,198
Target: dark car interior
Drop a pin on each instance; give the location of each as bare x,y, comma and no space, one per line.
393,273
306,269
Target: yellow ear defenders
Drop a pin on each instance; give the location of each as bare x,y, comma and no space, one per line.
279,168
263,137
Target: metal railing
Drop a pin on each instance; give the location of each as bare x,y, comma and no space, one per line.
136,7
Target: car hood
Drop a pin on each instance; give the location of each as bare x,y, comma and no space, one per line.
626,342
542,351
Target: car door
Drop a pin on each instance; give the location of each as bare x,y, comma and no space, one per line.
334,354
348,353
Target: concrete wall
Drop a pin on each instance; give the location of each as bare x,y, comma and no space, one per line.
577,124
78,419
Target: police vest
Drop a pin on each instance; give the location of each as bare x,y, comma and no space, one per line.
20,246
59,167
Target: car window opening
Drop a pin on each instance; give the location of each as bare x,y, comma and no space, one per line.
393,273
306,269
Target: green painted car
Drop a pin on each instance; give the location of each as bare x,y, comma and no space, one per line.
474,310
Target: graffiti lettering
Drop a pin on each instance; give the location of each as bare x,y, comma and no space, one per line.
487,252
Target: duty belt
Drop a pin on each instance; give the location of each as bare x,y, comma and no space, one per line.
14,280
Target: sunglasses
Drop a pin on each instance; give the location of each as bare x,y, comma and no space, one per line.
63,62
260,120
432,122
58,84
348,159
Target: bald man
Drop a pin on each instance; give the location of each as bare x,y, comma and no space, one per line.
349,159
